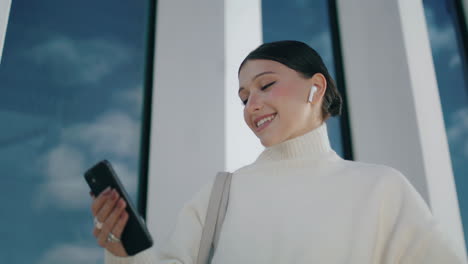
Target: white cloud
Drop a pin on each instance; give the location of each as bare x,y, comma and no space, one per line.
443,38
441,35
113,136
131,98
79,61
113,133
72,254
455,61
458,130
64,186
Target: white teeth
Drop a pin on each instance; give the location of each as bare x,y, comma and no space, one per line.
259,123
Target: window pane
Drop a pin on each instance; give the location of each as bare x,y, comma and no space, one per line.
446,51
306,21
72,86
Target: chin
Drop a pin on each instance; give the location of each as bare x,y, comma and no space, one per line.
268,141
265,144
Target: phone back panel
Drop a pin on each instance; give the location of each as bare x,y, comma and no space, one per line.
135,237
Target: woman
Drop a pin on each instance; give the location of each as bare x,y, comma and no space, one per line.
299,202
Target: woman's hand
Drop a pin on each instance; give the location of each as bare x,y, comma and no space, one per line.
110,219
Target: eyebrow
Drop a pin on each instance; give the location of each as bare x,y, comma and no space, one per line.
255,77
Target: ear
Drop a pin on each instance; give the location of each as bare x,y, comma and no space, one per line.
320,82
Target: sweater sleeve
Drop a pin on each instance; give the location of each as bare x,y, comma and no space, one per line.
412,234
184,242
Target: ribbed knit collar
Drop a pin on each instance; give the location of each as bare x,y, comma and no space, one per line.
313,144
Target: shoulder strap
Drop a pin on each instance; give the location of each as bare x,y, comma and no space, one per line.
214,217
222,207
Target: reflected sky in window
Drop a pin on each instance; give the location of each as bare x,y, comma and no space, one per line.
453,92
71,79
306,21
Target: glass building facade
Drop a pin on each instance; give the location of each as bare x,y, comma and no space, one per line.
449,55
72,85
75,79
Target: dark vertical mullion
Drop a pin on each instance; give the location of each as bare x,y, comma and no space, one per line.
340,79
459,20
146,109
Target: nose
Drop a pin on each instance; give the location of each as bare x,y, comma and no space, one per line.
254,103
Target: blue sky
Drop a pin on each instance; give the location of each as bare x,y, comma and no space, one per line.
72,81
453,93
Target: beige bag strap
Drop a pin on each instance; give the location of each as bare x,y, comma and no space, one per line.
214,217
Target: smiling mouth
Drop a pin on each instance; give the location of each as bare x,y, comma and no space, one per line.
262,123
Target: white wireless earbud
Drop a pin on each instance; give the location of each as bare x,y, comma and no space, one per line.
313,89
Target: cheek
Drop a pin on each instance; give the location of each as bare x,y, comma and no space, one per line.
287,95
288,100
281,91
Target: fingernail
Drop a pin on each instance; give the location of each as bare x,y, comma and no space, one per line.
124,215
106,191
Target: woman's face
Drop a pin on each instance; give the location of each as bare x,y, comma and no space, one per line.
276,101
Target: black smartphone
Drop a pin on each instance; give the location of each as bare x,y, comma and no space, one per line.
135,236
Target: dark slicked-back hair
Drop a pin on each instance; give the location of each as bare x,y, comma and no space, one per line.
306,61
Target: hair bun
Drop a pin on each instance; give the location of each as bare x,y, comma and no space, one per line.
335,106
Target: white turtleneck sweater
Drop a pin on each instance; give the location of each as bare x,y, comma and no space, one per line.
299,202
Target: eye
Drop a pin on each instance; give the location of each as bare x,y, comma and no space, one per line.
268,85
244,102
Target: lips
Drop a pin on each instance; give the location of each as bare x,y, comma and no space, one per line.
263,121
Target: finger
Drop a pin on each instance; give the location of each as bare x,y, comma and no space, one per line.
120,225
96,232
110,222
100,200
106,209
